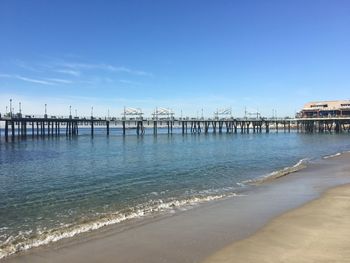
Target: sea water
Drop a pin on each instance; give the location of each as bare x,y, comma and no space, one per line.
57,187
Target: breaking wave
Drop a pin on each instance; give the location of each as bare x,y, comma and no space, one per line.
26,240
332,155
301,164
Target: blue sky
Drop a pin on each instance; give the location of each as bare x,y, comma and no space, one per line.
186,55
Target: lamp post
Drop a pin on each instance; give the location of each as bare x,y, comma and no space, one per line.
11,108
70,111
45,116
92,112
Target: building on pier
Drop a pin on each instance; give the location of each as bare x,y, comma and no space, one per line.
334,108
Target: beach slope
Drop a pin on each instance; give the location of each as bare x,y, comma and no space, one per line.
316,232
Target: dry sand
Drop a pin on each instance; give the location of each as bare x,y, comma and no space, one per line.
316,232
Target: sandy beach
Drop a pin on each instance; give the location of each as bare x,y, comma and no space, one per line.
316,232
271,222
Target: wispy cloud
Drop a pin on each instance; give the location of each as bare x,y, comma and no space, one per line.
129,82
130,71
44,81
19,77
106,67
26,66
62,81
38,81
71,72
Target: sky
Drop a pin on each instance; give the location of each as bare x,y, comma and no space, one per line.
255,56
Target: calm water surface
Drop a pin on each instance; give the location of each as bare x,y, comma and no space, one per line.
56,187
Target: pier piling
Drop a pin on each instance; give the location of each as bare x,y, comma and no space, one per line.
51,127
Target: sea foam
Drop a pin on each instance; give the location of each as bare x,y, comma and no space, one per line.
21,242
301,164
332,155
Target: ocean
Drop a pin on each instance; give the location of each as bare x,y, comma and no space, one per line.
57,187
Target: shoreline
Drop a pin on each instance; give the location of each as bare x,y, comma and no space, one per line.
318,231
169,232
149,213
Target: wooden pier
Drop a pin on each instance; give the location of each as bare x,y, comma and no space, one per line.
27,126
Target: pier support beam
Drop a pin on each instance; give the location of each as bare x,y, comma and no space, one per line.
155,128
214,126
267,127
6,130
12,129
139,128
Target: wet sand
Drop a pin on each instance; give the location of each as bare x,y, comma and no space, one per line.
316,232
196,234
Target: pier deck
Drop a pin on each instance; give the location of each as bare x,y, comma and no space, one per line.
50,126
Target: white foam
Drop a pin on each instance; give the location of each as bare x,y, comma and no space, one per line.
331,156
278,173
12,245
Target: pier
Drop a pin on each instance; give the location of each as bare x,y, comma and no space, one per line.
69,126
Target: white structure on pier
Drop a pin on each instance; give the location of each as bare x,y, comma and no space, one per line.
163,113
132,112
225,112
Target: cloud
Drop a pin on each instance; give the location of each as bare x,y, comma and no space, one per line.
45,81
106,67
129,82
19,77
25,66
127,70
62,81
71,72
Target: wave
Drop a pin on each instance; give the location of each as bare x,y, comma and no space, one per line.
332,155
22,242
301,164
27,240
